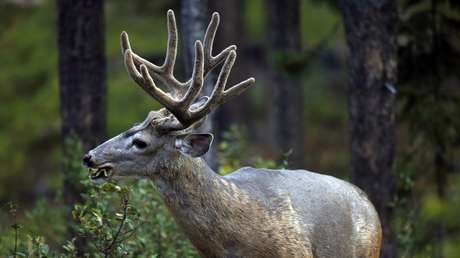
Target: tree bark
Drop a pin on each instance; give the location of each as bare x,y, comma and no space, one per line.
82,83
194,19
371,36
284,33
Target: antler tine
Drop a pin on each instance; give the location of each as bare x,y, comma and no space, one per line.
171,52
179,108
180,103
197,77
182,111
219,95
126,45
212,61
146,82
164,72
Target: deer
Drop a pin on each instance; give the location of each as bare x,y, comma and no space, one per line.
251,212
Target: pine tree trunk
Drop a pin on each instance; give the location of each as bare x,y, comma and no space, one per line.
284,32
194,19
82,83
371,37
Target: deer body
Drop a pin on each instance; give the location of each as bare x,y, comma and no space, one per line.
269,213
250,213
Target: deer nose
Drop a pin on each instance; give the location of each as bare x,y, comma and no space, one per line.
87,160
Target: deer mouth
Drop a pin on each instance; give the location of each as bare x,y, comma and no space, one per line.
100,174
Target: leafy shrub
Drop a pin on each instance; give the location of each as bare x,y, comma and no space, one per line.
116,221
113,221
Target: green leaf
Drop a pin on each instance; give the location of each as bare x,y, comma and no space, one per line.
110,187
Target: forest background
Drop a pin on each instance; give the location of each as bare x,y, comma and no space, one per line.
319,102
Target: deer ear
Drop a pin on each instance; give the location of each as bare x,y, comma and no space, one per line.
194,144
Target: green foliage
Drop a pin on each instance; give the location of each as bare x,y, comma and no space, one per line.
102,227
429,105
117,220
295,63
28,93
19,241
235,152
37,220
113,220
254,19
317,20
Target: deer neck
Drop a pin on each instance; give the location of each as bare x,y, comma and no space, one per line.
198,198
219,217
184,181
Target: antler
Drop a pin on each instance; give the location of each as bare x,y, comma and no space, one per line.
183,94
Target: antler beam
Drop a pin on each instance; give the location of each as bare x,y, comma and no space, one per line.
183,94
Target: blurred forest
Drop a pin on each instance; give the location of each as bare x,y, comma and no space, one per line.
315,105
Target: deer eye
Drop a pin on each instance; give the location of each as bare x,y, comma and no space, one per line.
140,144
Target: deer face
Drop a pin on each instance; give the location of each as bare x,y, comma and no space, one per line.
157,142
143,150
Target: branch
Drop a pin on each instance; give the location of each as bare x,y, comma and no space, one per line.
124,204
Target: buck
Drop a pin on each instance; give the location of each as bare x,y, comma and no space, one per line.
251,212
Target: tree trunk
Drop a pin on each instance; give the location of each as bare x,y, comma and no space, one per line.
371,37
284,32
231,31
82,80
194,19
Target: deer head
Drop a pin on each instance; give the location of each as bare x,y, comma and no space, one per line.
167,134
